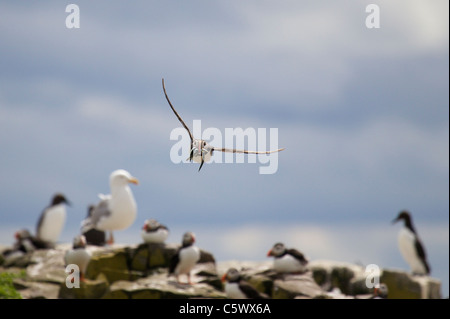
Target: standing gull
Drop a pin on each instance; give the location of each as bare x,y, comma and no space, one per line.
52,220
116,211
410,245
201,151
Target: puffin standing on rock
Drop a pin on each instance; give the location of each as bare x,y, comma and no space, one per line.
237,288
153,232
52,220
411,247
78,255
185,258
116,211
287,260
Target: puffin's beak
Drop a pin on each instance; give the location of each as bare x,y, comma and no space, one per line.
134,181
224,277
269,253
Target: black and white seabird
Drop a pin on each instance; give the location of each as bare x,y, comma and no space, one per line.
411,247
78,255
153,232
52,220
287,260
116,211
381,292
93,236
26,243
237,288
201,151
185,258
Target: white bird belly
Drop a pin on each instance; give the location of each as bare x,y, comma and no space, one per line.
232,291
287,263
53,224
123,212
188,258
79,257
406,244
156,237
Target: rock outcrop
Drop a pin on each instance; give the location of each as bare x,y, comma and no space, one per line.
141,272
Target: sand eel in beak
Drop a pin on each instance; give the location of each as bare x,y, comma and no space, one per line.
237,288
201,151
185,258
52,220
411,247
116,211
287,260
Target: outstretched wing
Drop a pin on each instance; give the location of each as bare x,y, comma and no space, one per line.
176,113
232,150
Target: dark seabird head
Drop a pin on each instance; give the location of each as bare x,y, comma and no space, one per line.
188,239
79,242
151,225
59,198
277,250
406,217
232,275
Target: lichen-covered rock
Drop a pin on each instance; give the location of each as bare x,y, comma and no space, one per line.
406,286
89,289
294,286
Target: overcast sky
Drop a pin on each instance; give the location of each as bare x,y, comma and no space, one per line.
362,112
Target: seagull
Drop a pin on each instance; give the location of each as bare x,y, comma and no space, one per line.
287,260
201,151
153,232
237,288
78,255
410,245
185,258
116,211
52,220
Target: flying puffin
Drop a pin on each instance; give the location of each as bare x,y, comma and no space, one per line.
287,260
237,288
116,211
410,245
78,255
201,151
153,232
52,220
185,258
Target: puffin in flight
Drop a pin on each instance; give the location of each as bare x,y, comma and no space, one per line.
201,151
116,211
185,258
287,260
411,246
52,220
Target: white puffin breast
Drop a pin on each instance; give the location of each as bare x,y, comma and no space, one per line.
188,258
232,290
287,263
